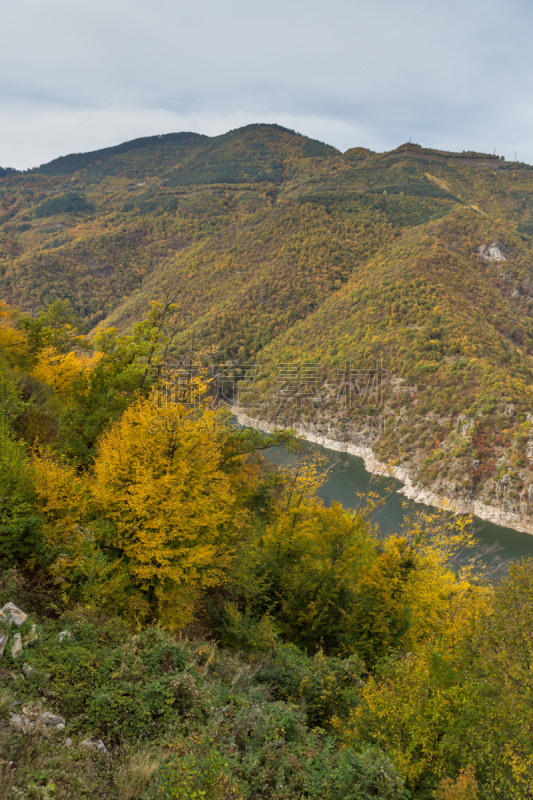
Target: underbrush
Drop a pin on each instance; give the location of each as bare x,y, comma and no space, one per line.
179,718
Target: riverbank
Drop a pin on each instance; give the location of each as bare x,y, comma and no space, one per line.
410,489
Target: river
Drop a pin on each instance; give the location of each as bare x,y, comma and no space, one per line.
344,486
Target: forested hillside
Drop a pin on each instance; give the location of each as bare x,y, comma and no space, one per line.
416,260
180,619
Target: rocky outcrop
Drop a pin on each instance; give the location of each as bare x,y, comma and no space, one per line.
32,719
17,616
16,646
4,634
491,252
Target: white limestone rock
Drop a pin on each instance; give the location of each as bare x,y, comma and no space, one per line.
491,252
16,647
17,616
5,625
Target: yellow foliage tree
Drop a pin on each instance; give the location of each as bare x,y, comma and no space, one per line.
13,343
411,706
65,503
59,370
157,504
379,618
159,482
441,593
302,566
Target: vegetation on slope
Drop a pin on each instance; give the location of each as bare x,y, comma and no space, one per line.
210,620
294,252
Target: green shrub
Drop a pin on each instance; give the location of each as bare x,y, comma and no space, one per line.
116,685
242,631
324,685
119,710
194,776
348,775
159,653
19,522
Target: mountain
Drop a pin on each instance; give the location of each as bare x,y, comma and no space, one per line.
416,260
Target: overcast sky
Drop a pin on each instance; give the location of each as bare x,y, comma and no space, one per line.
451,74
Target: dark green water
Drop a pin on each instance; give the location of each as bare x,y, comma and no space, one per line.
343,488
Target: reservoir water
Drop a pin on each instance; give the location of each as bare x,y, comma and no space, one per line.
344,486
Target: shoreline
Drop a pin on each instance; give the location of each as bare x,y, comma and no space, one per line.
419,494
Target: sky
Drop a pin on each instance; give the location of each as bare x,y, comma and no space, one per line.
451,74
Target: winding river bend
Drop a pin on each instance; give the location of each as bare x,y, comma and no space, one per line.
343,488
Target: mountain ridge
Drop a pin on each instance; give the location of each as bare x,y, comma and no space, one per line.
294,251
78,160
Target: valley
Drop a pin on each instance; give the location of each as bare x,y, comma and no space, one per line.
416,261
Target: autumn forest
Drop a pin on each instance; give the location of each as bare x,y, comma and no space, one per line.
205,616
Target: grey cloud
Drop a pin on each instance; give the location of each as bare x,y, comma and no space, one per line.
451,74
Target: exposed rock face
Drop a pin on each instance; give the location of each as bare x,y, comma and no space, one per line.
31,637
53,721
30,672
467,426
447,496
491,252
4,636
